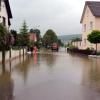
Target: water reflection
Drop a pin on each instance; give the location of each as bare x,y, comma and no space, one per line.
49,59
91,74
6,85
23,66
35,58
38,76
34,61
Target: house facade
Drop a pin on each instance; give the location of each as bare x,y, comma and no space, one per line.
90,21
5,13
32,37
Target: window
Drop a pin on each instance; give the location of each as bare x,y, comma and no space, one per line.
84,27
4,21
85,41
91,25
80,43
87,12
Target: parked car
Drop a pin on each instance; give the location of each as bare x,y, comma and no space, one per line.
55,47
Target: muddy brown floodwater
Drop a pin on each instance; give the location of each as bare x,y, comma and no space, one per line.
51,76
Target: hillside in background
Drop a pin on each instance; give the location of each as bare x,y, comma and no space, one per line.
67,38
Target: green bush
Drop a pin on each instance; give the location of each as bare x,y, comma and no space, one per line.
72,47
88,49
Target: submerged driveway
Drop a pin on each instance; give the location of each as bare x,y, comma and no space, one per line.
56,76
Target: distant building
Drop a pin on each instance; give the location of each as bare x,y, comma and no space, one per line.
90,21
5,13
32,36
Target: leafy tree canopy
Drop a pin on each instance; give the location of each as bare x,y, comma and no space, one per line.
37,31
4,38
94,37
60,42
50,37
22,40
14,33
31,31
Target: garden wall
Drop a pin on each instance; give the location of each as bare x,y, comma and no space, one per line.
14,54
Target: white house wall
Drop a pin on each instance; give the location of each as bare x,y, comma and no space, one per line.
88,17
3,13
97,21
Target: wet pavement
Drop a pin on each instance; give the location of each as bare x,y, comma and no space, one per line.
51,76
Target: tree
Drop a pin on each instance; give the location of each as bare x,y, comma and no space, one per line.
24,36
76,39
49,38
31,31
60,42
94,37
4,42
14,35
24,28
22,41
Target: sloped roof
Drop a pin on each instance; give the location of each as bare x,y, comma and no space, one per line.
8,8
94,8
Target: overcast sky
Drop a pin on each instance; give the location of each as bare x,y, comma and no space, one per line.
63,16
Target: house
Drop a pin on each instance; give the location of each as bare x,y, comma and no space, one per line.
32,36
5,13
90,21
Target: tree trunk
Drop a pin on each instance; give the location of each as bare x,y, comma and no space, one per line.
19,52
23,51
10,53
3,60
10,65
96,48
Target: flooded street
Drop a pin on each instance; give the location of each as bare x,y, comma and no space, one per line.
51,76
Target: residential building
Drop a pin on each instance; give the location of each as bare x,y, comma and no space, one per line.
5,13
32,36
90,21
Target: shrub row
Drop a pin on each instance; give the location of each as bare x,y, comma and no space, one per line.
80,51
